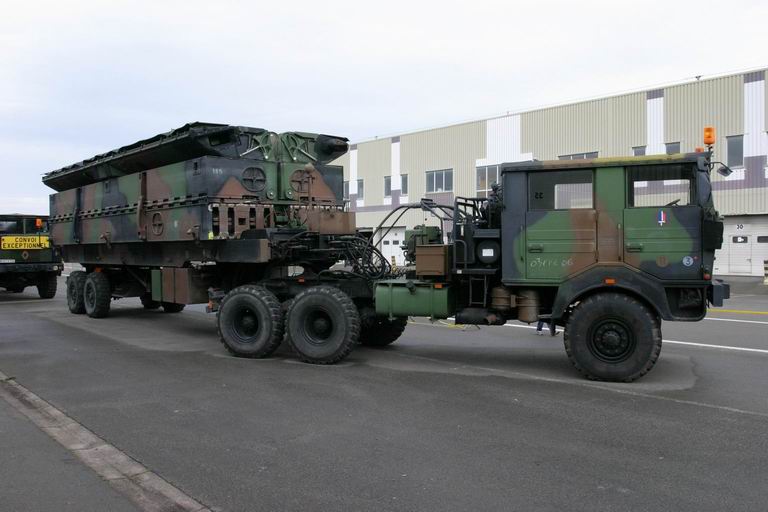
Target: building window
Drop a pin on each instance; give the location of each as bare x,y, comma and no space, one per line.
735,151
740,239
673,148
762,239
346,190
638,151
403,184
440,181
560,190
578,156
486,177
387,186
360,190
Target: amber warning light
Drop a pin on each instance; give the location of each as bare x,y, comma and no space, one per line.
709,135
39,223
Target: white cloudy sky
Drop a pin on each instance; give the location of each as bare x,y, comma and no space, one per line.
80,78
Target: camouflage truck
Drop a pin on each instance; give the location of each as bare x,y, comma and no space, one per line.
253,223
607,248
246,220
26,256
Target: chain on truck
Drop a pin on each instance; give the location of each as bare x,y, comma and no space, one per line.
253,223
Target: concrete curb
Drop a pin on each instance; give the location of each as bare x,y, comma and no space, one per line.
144,488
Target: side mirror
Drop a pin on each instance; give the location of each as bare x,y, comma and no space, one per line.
724,170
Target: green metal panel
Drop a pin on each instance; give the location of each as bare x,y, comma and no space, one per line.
559,243
157,285
400,297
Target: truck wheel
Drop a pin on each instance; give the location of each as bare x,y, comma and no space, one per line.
147,302
75,289
613,337
382,332
323,325
97,295
46,286
250,321
172,307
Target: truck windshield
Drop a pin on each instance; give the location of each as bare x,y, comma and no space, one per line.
11,226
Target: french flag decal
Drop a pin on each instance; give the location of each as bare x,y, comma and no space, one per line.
662,217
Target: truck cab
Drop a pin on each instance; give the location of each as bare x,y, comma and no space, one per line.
26,255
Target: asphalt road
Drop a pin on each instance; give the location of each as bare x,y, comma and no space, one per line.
445,419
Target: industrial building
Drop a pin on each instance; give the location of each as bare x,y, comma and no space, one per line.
463,159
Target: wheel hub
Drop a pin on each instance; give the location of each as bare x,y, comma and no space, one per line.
246,323
612,341
319,327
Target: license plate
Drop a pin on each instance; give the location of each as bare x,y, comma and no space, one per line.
26,243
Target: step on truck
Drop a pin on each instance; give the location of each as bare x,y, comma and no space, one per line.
26,255
253,224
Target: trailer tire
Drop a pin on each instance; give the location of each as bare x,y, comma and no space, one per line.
382,331
172,307
322,325
613,337
75,292
250,322
46,285
148,303
97,295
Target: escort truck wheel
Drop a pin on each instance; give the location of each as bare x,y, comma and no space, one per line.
382,331
46,286
172,307
322,325
148,303
97,295
75,289
250,321
613,337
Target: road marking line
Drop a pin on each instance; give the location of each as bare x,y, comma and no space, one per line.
148,490
735,320
3,302
737,311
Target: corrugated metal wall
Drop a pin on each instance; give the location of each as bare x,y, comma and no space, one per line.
610,126
688,108
373,163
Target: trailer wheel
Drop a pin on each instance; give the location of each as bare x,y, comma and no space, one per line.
250,322
172,307
322,325
147,302
382,331
97,295
46,286
75,289
613,337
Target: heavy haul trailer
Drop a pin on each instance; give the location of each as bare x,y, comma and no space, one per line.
26,255
246,220
607,248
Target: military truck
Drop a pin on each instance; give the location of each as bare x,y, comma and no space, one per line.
26,256
253,223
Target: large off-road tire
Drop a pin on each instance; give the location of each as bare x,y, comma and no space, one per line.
46,285
250,321
148,303
382,331
172,307
322,325
97,295
614,337
75,289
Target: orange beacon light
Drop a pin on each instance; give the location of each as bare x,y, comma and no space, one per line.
709,135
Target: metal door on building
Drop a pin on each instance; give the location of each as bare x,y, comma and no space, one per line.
392,244
740,252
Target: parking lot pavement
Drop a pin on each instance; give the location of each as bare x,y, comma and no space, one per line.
448,418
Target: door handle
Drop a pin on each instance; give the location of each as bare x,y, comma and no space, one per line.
634,247
535,247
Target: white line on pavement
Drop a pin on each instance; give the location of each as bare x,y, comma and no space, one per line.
736,320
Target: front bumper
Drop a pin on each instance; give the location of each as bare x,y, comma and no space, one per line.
28,268
717,292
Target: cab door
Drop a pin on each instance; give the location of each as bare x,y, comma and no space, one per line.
662,223
560,224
